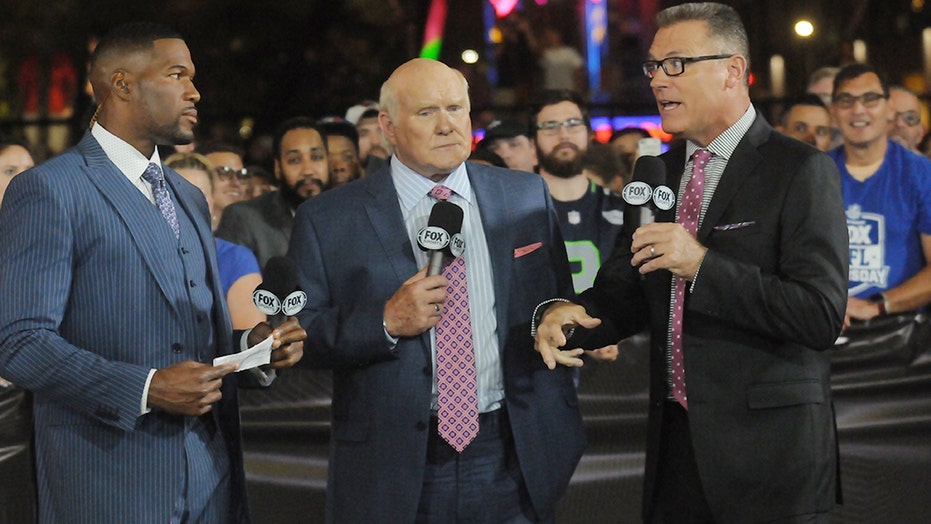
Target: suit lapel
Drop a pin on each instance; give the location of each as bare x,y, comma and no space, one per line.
742,162
126,201
492,204
384,213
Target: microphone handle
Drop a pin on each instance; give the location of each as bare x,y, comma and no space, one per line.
647,215
276,320
436,263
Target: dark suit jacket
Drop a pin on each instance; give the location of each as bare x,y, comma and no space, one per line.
89,309
353,253
263,224
768,301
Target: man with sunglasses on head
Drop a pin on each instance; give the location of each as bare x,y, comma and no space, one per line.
263,224
887,193
742,285
907,128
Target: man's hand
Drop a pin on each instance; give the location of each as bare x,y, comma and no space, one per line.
287,342
666,245
551,333
416,306
860,309
188,387
605,354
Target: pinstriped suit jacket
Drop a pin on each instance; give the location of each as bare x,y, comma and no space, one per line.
87,310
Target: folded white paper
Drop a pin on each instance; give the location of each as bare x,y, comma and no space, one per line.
258,355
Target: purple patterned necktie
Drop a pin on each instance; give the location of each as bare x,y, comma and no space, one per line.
457,395
689,212
153,175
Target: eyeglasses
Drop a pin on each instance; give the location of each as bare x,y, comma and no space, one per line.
846,100
911,118
552,127
802,129
225,173
675,65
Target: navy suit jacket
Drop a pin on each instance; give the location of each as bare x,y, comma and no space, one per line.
88,310
353,253
769,300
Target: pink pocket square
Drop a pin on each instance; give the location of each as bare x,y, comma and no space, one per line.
529,248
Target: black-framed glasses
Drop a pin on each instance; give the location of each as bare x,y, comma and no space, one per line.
225,173
846,100
675,65
552,127
911,118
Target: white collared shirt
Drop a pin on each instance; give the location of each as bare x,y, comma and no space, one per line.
413,194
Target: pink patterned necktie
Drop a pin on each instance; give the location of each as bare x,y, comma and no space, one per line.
457,395
689,212
153,175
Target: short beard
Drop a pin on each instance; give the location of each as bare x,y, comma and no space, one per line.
560,168
292,197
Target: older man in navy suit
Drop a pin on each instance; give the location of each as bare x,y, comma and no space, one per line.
399,453
112,312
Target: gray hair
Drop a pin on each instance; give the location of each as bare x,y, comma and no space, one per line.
388,96
724,25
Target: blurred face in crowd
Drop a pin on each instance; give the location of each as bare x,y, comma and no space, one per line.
823,89
627,144
302,165
811,124
862,111
429,124
343,160
563,140
518,152
14,160
906,127
228,181
371,141
696,104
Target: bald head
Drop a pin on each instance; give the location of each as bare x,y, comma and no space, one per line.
425,115
412,71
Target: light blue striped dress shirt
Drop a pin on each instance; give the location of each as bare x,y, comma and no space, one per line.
413,194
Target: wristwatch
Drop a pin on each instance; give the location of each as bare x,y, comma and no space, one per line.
880,300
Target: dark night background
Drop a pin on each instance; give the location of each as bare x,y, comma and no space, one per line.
268,60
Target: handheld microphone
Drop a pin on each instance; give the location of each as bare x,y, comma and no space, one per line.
647,193
442,237
279,296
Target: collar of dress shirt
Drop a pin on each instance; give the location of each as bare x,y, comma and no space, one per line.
127,158
412,186
724,144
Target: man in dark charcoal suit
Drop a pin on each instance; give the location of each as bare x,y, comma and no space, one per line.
742,284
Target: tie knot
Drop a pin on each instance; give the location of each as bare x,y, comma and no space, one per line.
441,192
153,174
701,157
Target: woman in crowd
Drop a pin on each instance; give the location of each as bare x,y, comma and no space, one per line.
239,269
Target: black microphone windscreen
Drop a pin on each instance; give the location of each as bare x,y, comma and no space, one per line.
447,216
279,276
651,170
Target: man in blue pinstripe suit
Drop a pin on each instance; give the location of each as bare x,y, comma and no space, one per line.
112,313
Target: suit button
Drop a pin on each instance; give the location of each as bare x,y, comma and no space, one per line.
420,426
177,348
427,371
